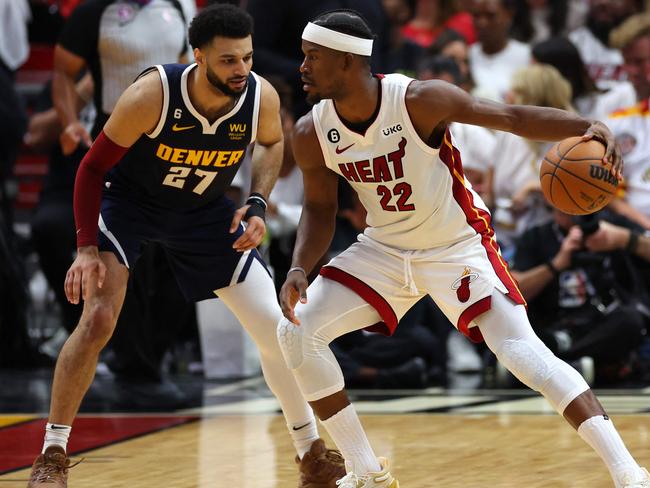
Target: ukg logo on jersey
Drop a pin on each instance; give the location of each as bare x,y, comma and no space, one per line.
393,129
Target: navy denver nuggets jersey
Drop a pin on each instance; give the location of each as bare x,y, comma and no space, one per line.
186,162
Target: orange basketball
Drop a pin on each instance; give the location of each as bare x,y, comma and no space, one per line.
574,179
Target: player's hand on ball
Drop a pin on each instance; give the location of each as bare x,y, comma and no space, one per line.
86,274
294,289
254,233
601,132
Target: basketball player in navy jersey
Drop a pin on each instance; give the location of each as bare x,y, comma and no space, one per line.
158,172
428,233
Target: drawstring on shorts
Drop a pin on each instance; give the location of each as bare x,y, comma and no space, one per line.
409,281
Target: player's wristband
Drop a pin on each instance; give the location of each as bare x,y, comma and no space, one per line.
254,211
257,207
297,268
257,199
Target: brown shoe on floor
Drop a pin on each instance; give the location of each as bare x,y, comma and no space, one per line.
50,469
320,467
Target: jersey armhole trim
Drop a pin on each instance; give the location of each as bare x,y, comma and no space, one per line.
410,127
165,105
256,106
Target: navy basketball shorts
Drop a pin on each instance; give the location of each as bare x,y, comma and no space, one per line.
198,242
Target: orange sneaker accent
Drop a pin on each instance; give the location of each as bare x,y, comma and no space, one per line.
320,467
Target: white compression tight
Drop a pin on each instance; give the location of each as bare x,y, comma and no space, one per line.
508,333
331,311
253,302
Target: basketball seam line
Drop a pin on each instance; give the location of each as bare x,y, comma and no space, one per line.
568,194
557,166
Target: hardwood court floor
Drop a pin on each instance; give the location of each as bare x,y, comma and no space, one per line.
426,450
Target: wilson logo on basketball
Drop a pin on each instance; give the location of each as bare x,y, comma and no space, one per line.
461,285
603,174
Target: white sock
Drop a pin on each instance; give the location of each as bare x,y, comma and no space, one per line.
599,432
348,435
56,435
303,435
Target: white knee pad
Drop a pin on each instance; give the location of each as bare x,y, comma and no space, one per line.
332,310
538,368
308,355
290,339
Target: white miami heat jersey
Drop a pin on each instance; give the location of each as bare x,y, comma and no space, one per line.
631,127
416,196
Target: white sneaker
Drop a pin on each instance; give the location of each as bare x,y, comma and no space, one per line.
383,479
642,483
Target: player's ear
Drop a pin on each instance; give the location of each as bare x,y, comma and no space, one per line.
198,56
348,60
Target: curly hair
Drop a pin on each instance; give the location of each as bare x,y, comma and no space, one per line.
219,20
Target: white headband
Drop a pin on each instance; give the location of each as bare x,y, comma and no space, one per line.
337,40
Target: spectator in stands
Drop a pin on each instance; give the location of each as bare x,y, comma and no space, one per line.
115,40
453,45
588,100
581,279
403,54
14,50
537,20
513,188
592,40
496,56
432,18
631,126
277,36
476,143
53,230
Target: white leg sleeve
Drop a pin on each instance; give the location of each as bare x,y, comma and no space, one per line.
254,303
331,311
508,333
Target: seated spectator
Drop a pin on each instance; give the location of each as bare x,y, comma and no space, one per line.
403,54
537,20
592,40
475,143
631,126
431,18
588,100
512,186
586,296
451,44
496,56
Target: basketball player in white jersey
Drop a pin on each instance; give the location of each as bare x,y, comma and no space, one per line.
428,233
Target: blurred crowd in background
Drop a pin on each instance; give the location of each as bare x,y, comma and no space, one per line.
62,68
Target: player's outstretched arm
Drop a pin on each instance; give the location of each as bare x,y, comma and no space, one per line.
317,222
266,164
451,104
137,112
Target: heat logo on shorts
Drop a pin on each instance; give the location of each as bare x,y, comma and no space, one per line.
461,285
